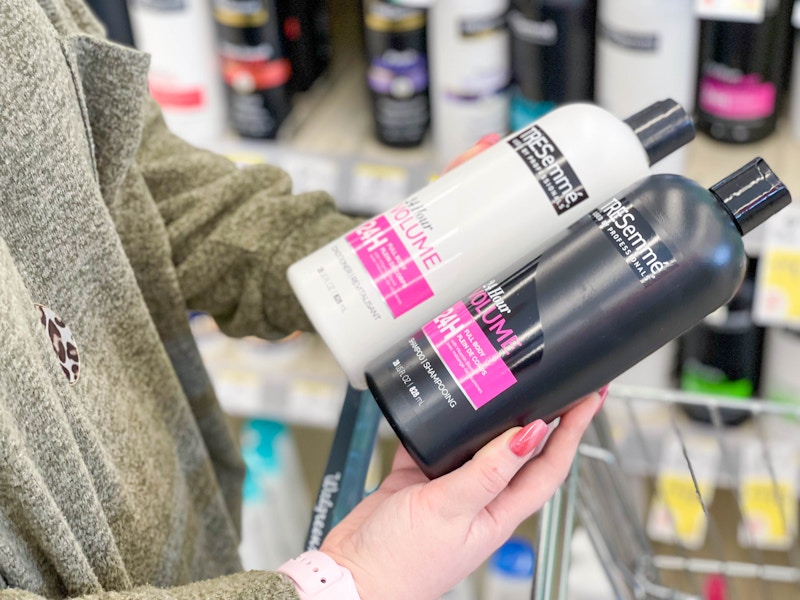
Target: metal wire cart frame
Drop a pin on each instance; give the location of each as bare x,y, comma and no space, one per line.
671,504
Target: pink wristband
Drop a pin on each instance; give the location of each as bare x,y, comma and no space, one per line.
319,577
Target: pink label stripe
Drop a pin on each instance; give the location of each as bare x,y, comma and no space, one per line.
469,355
389,265
743,100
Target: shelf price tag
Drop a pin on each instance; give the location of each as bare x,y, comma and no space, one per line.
676,513
769,505
745,11
310,174
377,187
777,294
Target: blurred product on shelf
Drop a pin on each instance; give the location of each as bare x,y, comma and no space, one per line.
716,587
293,380
552,56
721,355
255,70
184,76
305,37
780,378
742,70
509,571
654,371
794,93
647,50
275,501
397,72
114,15
468,49
465,590
587,578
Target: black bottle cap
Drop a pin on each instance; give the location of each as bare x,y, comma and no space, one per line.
662,128
752,194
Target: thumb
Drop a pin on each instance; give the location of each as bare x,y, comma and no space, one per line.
470,488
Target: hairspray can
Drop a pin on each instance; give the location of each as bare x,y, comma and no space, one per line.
397,75
255,70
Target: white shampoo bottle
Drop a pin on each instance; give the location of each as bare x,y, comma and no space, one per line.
794,93
647,50
470,67
184,75
378,283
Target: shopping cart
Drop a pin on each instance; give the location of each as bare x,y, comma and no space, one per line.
643,470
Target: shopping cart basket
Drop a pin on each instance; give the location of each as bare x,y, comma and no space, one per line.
624,487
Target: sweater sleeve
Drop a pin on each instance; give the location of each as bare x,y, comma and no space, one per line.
250,585
234,231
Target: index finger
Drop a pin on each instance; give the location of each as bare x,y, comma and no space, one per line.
538,480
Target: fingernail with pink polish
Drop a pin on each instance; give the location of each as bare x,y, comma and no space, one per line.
528,438
489,140
603,391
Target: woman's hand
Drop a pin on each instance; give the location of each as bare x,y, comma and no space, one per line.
415,539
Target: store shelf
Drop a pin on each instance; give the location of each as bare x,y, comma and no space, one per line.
295,381
330,133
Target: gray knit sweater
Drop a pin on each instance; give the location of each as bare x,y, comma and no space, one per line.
117,470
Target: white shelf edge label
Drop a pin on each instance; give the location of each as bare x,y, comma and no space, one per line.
745,11
777,294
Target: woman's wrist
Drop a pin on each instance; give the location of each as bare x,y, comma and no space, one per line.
318,577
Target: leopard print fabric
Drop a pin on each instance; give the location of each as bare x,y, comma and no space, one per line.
62,341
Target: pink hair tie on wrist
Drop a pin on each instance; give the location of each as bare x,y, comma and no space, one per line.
319,577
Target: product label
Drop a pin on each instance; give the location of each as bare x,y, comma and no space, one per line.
777,293
467,353
768,494
539,33
706,379
734,96
464,350
399,81
170,94
640,42
161,5
385,246
376,187
481,26
746,11
634,238
550,167
685,486
250,13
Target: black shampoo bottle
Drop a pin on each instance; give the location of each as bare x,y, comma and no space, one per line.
629,277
